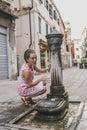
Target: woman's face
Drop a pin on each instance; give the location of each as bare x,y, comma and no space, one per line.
32,59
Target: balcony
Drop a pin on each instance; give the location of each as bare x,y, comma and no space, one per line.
8,1
26,4
5,7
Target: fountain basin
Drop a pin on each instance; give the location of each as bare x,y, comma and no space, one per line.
51,109
29,121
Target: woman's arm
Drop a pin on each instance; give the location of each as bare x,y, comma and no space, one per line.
28,78
42,70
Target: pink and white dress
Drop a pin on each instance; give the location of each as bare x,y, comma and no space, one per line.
23,87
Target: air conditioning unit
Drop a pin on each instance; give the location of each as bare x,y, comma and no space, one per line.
41,1
24,6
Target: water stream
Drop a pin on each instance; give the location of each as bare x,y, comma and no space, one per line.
56,73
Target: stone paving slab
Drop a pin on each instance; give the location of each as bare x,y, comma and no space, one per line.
82,125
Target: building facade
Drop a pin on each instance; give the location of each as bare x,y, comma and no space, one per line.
8,62
36,19
68,54
78,50
84,42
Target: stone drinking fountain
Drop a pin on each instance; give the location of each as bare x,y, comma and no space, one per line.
55,106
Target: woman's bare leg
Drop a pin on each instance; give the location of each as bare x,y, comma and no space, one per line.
38,93
29,98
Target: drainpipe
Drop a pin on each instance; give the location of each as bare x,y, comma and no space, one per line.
20,4
30,25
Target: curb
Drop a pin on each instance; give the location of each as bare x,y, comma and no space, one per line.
76,119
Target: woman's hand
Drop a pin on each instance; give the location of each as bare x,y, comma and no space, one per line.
49,67
43,79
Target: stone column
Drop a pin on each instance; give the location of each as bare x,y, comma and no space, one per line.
55,107
54,42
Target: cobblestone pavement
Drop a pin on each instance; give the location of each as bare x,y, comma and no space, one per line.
74,80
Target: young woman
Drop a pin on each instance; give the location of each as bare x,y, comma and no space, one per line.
27,87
